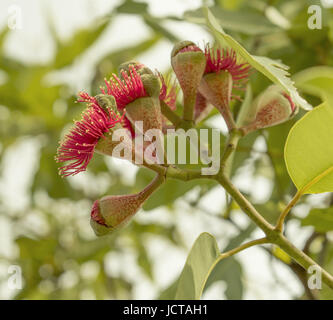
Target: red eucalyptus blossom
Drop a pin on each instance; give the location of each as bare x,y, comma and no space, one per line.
223,73
226,60
137,91
79,144
127,90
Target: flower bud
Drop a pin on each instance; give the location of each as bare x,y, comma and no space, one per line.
188,62
113,212
271,107
216,88
223,73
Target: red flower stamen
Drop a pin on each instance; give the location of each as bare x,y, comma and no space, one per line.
79,144
127,90
168,92
226,60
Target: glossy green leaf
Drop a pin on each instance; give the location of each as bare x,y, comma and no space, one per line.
309,151
199,263
272,69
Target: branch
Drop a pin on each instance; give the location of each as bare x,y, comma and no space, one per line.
230,148
242,247
244,204
283,215
273,235
177,121
298,195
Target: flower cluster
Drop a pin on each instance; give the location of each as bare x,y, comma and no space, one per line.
208,78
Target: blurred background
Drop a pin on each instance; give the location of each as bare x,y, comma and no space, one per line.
49,50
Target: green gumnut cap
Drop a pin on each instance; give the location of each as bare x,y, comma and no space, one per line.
151,84
139,67
106,101
181,45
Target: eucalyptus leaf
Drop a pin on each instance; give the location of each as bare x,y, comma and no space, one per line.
309,151
199,263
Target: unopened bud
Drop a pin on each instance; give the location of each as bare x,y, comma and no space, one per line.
188,62
216,89
271,107
113,212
